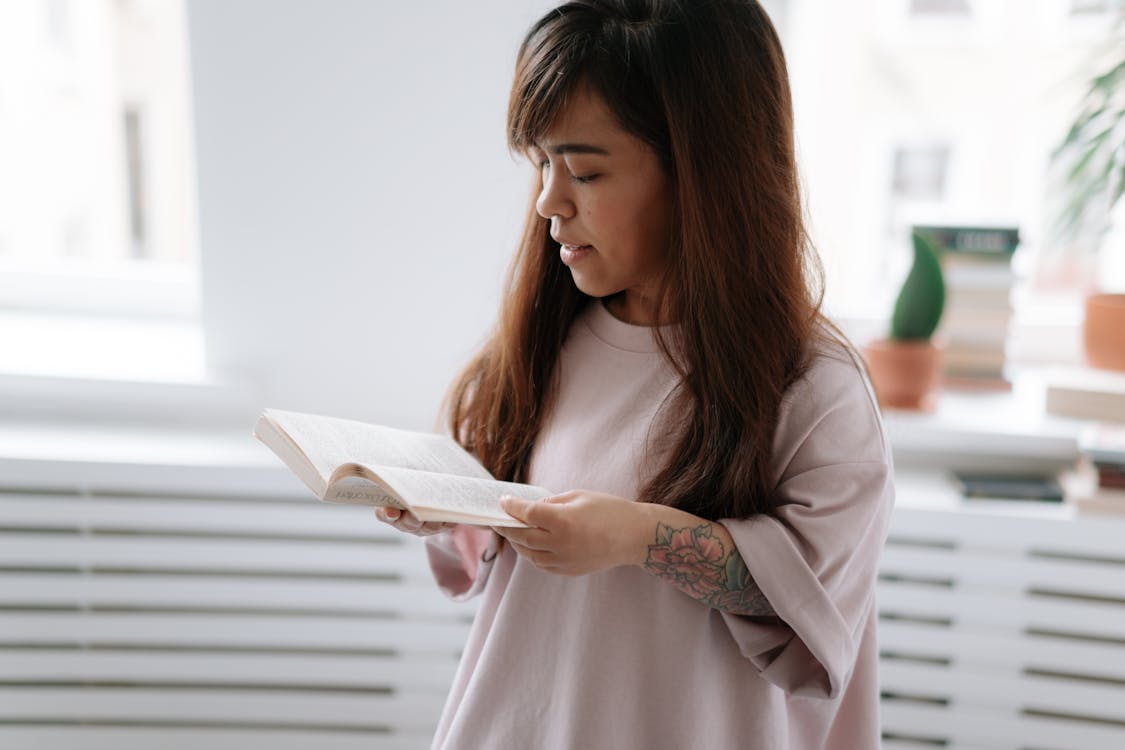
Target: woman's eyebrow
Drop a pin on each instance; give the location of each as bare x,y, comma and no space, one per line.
575,148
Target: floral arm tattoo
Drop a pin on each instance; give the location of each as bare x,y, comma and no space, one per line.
697,563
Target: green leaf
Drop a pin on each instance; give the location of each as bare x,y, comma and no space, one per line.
1093,148
921,300
1080,210
1107,82
663,533
1077,129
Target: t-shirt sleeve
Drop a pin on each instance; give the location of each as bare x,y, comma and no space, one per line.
461,559
816,562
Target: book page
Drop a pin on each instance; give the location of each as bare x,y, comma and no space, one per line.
280,443
440,497
329,442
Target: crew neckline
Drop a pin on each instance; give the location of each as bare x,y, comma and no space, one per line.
619,334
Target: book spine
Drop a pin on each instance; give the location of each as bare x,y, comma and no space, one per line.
983,243
1111,475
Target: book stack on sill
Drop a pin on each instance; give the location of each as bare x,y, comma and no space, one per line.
1086,393
977,262
1101,488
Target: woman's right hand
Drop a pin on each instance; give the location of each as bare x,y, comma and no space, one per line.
404,520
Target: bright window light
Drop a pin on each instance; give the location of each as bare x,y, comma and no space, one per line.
97,206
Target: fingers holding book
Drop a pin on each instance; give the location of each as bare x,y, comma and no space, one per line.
404,520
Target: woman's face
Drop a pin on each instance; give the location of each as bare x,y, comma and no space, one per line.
609,203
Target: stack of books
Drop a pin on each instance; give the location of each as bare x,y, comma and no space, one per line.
1103,451
1086,393
977,262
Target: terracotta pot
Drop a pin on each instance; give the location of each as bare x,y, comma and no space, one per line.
1103,331
905,373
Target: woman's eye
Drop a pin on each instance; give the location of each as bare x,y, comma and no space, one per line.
585,179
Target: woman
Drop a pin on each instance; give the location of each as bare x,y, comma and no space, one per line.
706,578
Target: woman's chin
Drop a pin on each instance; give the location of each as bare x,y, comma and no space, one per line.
591,287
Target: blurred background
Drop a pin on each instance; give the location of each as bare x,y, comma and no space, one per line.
207,208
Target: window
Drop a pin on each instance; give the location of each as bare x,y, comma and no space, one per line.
943,113
98,257
919,172
96,194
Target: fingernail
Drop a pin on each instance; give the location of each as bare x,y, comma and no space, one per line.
392,513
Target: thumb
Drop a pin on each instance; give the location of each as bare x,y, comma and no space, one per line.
536,514
515,507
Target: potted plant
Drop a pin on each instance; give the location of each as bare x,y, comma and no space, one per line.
905,367
1092,160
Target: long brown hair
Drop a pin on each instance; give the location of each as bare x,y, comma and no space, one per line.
704,83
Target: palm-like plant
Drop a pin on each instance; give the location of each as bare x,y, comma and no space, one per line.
1092,155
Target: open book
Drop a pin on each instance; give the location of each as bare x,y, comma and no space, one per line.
343,461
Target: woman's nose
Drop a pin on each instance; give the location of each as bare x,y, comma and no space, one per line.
553,198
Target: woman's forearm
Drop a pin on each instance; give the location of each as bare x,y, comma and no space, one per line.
699,558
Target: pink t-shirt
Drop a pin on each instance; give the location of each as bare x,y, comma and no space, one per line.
621,659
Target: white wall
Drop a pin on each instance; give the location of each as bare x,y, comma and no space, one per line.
357,201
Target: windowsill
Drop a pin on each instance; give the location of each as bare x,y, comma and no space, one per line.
993,431
78,375
61,368
137,445
102,348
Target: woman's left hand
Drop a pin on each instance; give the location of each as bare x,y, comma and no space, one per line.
577,532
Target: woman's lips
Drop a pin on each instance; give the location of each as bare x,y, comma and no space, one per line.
571,254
